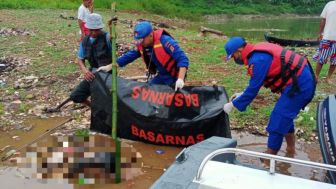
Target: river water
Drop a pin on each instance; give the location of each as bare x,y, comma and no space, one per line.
254,27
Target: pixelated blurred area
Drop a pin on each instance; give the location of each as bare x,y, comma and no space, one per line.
79,160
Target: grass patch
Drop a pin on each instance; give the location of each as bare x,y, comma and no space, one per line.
23,108
22,94
10,91
82,133
66,69
2,108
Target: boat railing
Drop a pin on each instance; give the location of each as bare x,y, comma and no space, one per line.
272,158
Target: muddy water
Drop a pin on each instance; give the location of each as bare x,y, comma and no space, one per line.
18,138
283,27
157,158
304,151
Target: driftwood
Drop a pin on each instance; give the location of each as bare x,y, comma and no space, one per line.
159,24
205,30
67,17
130,23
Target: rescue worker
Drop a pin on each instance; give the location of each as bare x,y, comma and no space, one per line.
284,72
96,48
161,54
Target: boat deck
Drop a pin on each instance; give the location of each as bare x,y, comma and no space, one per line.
218,175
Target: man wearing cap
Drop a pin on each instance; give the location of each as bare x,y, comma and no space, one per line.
96,48
284,72
160,53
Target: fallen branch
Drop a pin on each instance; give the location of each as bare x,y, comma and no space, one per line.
67,17
205,30
160,24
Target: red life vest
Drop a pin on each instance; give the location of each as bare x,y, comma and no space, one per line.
285,68
167,61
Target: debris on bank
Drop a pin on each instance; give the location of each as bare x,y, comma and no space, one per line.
5,32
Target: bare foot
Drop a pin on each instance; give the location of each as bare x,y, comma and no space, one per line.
265,162
289,153
328,80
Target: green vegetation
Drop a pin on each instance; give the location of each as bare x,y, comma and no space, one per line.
82,133
23,108
22,93
184,8
77,116
2,108
10,91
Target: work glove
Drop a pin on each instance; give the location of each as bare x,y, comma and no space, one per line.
106,68
228,107
234,96
179,84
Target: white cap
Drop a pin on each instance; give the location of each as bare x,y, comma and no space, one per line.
94,21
